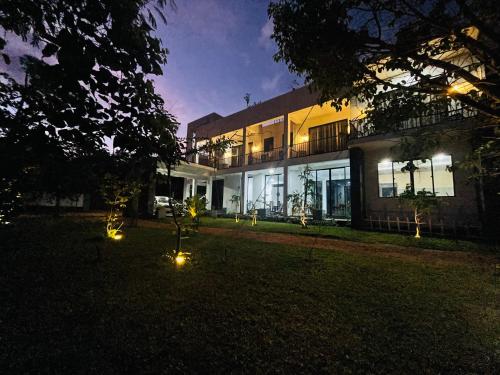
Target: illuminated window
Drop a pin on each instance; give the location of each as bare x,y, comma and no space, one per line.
433,175
443,177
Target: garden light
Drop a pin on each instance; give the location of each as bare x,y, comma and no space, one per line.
180,259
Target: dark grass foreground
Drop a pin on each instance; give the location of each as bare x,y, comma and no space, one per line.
263,309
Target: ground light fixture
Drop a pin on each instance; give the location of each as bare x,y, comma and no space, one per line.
115,234
180,259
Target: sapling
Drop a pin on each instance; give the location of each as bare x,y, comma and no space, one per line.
421,202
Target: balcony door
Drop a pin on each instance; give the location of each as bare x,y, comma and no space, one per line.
236,155
328,137
333,191
273,193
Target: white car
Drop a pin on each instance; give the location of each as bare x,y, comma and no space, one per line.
161,201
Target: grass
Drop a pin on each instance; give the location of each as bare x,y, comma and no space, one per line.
262,308
347,233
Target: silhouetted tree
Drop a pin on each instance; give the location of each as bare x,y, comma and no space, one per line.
92,83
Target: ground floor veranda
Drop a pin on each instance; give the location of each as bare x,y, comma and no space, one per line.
269,191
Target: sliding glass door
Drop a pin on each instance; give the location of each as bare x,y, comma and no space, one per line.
273,196
333,191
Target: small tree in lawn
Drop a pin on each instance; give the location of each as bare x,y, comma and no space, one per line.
195,206
300,200
421,202
296,200
116,194
235,201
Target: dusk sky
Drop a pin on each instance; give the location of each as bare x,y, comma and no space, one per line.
219,50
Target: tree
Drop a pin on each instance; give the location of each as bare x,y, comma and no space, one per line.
449,49
421,202
299,200
195,206
342,47
117,193
92,82
235,201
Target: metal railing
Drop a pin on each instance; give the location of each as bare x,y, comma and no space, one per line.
363,128
318,146
229,162
265,156
219,163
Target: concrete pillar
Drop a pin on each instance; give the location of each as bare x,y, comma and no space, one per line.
286,135
242,193
356,161
244,148
193,187
209,193
285,190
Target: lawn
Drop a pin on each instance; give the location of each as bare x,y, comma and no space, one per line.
239,306
346,233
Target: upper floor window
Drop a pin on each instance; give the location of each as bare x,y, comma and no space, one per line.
433,175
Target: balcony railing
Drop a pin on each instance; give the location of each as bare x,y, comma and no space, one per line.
229,162
265,156
219,163
362,128
318,146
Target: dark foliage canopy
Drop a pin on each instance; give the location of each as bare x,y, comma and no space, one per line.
344,48
91,81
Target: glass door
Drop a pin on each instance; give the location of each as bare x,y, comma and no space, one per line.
273,195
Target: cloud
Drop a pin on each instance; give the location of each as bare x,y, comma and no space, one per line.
269,85
265,34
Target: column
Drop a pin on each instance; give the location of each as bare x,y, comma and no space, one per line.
242,193
193,187
285,190
244,148
209,193
285,138
356,161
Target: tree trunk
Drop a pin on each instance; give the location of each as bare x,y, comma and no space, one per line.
174,214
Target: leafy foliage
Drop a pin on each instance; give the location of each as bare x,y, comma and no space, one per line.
343,47
117,193
195,207
92,82
421,202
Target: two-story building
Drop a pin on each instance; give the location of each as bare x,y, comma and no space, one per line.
353,171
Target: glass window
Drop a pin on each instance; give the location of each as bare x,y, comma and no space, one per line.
423,175
385,179
431,174
401,177
443,177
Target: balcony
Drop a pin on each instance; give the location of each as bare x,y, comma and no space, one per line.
318,146
275,154
362,128
229,162
219,163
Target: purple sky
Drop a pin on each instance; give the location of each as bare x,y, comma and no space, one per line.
219,50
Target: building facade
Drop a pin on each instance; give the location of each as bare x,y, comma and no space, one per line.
352,172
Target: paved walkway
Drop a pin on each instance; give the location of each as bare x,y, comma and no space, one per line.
385,250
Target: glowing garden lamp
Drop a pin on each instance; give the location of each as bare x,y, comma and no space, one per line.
180,259
118,236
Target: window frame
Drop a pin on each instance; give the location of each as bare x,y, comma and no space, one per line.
394,190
